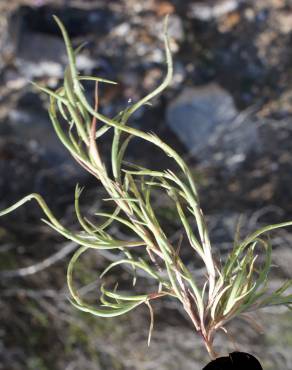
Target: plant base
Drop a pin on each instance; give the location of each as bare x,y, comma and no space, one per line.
235,361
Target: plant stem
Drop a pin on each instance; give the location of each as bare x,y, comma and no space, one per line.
210,349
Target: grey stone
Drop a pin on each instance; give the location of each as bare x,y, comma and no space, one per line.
197,112
30,122
207,122
283,260
208,10
175,28
40,55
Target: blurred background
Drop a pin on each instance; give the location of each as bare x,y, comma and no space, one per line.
228,112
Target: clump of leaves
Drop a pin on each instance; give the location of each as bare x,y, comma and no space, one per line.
237,287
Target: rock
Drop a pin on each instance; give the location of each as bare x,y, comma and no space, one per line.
284,20
175,28
79,21
283,260
207,122
162,8
6,44
212,9
232,143
30,122
37,43
197,112
41,55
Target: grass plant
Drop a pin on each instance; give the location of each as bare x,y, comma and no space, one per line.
235,287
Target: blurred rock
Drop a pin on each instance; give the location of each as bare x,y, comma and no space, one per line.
163,8
37,43
175,28
151,79
6,44
30,122
40,55
228,22
231,145
78,20
206,120
197,112
283,260
284,20
179,74
212,9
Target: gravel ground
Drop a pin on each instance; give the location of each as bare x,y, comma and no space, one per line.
243,48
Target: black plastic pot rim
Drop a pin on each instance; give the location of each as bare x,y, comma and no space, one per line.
235,361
